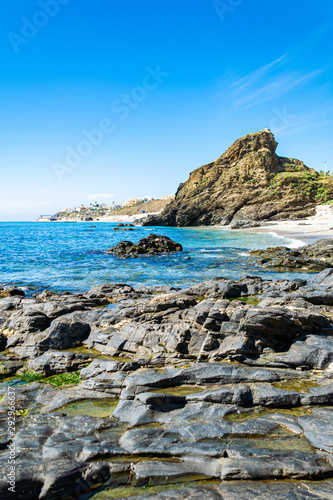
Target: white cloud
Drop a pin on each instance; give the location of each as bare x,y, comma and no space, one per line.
267,83
100,196
2,195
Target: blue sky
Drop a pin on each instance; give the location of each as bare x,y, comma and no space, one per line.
110,100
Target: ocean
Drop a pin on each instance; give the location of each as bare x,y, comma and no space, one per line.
72,256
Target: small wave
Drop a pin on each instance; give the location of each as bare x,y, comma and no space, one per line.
288,242
210,250
243,254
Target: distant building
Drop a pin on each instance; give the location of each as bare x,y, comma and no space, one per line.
168,197
47,218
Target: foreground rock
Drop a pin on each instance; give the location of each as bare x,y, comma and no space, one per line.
152,245
315,257
230,383
249,183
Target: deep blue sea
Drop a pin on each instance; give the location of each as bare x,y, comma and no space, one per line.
71,256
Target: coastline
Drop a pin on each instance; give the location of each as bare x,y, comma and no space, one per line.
306,231
111,218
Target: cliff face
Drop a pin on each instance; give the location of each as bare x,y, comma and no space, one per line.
249,182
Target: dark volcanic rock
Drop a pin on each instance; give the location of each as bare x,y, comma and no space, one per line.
249,183
323,279
154,244
68,331
315,257
9,368
314,352
277,490
124,227
53,362
225,380
16,291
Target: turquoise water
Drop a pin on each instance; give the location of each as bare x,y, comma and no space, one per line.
71,256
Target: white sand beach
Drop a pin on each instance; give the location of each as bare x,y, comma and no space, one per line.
125,218
307,230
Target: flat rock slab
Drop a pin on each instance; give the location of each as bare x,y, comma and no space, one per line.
277,490
168,472
318,428
291,465
206,373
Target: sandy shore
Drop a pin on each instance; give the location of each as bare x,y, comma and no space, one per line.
125,218
306,230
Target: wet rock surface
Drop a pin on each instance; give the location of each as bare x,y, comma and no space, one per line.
154,244
315,257
221,390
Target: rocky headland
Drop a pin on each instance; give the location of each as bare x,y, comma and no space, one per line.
248,184
221,390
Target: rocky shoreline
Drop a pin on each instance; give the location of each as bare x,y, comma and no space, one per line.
217,391
310,258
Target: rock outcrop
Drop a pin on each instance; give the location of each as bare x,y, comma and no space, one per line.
154,244
224,382
248,183
315,257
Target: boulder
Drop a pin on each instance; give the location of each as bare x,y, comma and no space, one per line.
52,362
152,245
68,331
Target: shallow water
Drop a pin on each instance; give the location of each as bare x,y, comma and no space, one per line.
90,407
71,256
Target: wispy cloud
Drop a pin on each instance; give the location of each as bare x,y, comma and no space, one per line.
303,123
268,82
3,195
256,75
41,191
101,196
